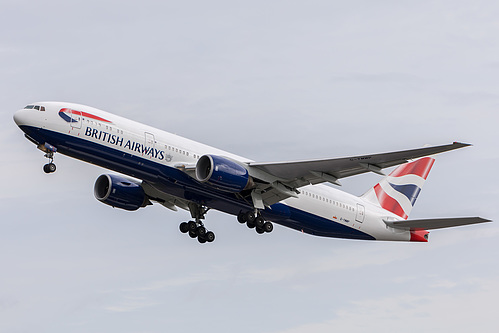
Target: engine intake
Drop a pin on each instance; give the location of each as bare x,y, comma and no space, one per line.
119,192
222,173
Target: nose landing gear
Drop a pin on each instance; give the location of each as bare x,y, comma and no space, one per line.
49,153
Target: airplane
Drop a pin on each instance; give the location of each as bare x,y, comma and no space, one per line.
155,166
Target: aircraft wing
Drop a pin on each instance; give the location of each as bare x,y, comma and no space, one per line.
337,168
291,175
428,224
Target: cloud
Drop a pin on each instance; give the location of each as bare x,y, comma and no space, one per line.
464,308
130,304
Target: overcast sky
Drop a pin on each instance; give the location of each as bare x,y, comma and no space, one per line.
272,81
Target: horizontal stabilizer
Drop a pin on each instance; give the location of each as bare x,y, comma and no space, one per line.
428,224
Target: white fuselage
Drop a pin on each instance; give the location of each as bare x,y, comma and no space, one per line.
321,203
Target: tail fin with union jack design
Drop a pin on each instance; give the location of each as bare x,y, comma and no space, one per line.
398,191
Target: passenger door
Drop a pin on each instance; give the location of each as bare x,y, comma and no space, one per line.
361,212
150,143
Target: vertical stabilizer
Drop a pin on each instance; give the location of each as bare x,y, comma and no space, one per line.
398,191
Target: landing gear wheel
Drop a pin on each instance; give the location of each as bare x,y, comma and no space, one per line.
259,222
201,231
49,168
192,234
260,230
201,240
241,217
192,226
250,216
268,227
210,236
52,167
250,225
184,227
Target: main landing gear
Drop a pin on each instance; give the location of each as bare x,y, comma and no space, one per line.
195,228
255,220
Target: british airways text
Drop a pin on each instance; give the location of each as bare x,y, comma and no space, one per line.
131,145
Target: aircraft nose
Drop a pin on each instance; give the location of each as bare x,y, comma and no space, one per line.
20,117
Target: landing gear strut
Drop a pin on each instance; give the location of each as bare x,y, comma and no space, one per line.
196,228
255,220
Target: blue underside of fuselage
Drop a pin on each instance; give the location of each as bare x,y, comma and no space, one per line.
177,183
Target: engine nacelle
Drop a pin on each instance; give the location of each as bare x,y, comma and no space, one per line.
119,192
222,173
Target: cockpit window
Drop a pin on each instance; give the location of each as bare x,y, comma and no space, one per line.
36,107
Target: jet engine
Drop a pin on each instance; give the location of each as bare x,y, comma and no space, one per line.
119,192
222,173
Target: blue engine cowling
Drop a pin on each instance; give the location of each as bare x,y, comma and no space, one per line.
222,173
119,192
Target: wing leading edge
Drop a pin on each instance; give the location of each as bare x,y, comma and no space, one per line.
314,171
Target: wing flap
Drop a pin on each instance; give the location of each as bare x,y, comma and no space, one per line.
429,224
154,193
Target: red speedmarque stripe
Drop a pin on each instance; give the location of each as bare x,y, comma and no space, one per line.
85,114
388,203
420,168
